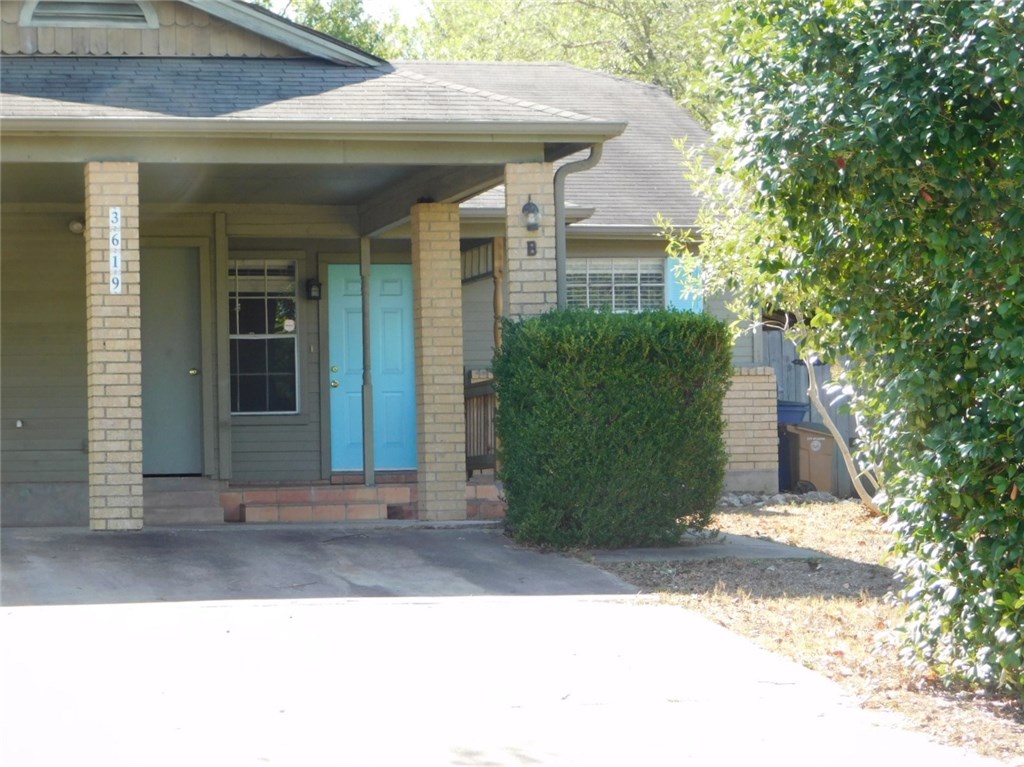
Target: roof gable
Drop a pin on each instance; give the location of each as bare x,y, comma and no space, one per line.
182,28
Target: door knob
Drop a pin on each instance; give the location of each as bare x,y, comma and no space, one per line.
193,371
335,384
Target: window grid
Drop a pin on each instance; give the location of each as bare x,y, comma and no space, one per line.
616,284
263,337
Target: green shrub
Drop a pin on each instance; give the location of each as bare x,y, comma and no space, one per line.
610,425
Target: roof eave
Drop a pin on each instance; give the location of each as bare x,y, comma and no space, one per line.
624,231
577,132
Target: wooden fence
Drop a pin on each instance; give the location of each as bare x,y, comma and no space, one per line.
481,406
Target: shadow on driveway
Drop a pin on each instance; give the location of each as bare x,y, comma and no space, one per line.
69,566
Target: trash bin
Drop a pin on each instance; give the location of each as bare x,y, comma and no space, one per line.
789,411
811,455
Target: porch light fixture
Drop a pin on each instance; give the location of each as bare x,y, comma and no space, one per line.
75,226
312,289
531,215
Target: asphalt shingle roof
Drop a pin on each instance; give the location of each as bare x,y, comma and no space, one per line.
640,173
638,177
253,89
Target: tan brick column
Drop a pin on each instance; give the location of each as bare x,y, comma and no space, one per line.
532,286
751,431
440,406
114,350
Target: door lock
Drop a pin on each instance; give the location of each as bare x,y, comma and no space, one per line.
193,371
335,384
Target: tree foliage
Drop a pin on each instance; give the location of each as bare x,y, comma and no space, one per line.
347,20
871,182
663,42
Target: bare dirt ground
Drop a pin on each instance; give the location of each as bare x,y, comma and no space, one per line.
833,616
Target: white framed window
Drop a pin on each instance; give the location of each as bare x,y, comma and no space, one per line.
618,284
263,310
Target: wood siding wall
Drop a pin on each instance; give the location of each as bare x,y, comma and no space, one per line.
42,350
478,323
184,31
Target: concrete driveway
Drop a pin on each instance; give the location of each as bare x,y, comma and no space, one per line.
255,646
72,566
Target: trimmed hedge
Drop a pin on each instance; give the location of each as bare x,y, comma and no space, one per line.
610,425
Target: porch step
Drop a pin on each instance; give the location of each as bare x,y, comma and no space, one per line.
315,503
182,501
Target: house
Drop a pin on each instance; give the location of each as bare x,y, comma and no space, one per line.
246,266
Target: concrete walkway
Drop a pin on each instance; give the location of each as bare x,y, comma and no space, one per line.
473,651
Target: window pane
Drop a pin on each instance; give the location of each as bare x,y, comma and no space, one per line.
652,297
576,295
279,311
250,316
626,298
280,355
252,393
601,297
249,357
281,393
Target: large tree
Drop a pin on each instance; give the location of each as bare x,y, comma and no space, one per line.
870,181
663,42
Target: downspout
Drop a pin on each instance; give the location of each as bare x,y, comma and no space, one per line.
560,227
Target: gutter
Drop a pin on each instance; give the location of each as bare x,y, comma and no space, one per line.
596,150
483,132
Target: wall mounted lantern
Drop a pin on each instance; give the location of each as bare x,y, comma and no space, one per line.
75,226
312,289
531,215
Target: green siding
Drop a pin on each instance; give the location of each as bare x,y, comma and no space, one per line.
42,350
286,447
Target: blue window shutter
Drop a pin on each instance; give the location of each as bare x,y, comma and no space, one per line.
674,290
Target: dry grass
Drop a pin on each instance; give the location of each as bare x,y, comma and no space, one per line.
832,616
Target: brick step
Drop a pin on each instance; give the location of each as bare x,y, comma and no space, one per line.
311,512
312,503
481,509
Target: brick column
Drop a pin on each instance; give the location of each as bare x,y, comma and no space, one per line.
440,405
114,350
751,431
532,286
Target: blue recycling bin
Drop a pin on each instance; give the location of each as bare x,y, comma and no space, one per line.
788,412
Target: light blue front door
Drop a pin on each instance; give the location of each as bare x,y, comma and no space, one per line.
394,387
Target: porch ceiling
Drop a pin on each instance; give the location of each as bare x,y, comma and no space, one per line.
381,193
189,183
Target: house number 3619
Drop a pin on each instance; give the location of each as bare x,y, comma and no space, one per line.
115,251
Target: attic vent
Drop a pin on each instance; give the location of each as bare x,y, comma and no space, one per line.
71,13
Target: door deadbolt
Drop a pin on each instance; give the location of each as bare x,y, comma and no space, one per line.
335,384
193,371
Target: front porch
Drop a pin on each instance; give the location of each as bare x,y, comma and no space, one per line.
186,501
